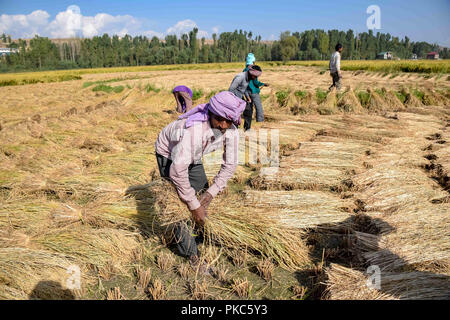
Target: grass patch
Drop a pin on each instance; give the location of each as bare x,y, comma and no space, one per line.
149,87
301,94
321,95
108,89
400,96
419,94
363,97
282,97
197,94
380,92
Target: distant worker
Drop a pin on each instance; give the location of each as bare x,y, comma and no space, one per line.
239,87
253,91
179,150
183,97
335,67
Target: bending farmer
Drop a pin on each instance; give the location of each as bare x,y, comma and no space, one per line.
183,97
254,90
179,150
239,87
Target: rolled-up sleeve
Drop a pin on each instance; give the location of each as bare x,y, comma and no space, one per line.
229,164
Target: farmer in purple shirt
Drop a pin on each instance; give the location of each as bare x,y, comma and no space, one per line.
183,97
179,150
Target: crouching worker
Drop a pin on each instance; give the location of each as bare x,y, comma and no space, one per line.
183,98
179,150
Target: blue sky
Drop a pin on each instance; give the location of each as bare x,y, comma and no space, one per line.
418,19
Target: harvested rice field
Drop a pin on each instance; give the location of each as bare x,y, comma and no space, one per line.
338,195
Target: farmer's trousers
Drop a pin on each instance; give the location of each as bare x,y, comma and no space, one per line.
336,81
248,114
183,232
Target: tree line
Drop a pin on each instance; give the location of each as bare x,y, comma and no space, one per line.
41,53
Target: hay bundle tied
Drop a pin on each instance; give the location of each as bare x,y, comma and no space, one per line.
349,102
392,101
234,226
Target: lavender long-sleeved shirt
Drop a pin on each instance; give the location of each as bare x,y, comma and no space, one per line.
185,146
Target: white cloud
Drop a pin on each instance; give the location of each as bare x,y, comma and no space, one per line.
185,26
25,26
71,23
150,34
215,29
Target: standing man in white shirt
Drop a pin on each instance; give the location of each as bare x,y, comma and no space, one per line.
335,67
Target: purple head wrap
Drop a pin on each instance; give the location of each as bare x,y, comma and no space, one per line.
224,104
182,89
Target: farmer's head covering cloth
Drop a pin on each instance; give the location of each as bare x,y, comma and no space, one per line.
254,70
224,104
181,103
250,59
182,89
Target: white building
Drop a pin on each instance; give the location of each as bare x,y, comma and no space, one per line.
7,51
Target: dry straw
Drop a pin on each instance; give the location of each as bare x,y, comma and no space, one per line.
329,105
303,208
349,284
232,227
376,103
392,101
318,165
349,102
35,273
411,100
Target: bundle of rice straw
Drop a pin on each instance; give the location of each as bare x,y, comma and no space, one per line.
349,284
92,246
411,100
329,106
376,103
271,102
23,271
309,101
414,234
232,226
349,102
315,165
304,209
392,100
296,106
432,98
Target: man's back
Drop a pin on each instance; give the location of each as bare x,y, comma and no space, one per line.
239,84
335,62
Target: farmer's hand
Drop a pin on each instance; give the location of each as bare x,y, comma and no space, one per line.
265,85
205,199
199,215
